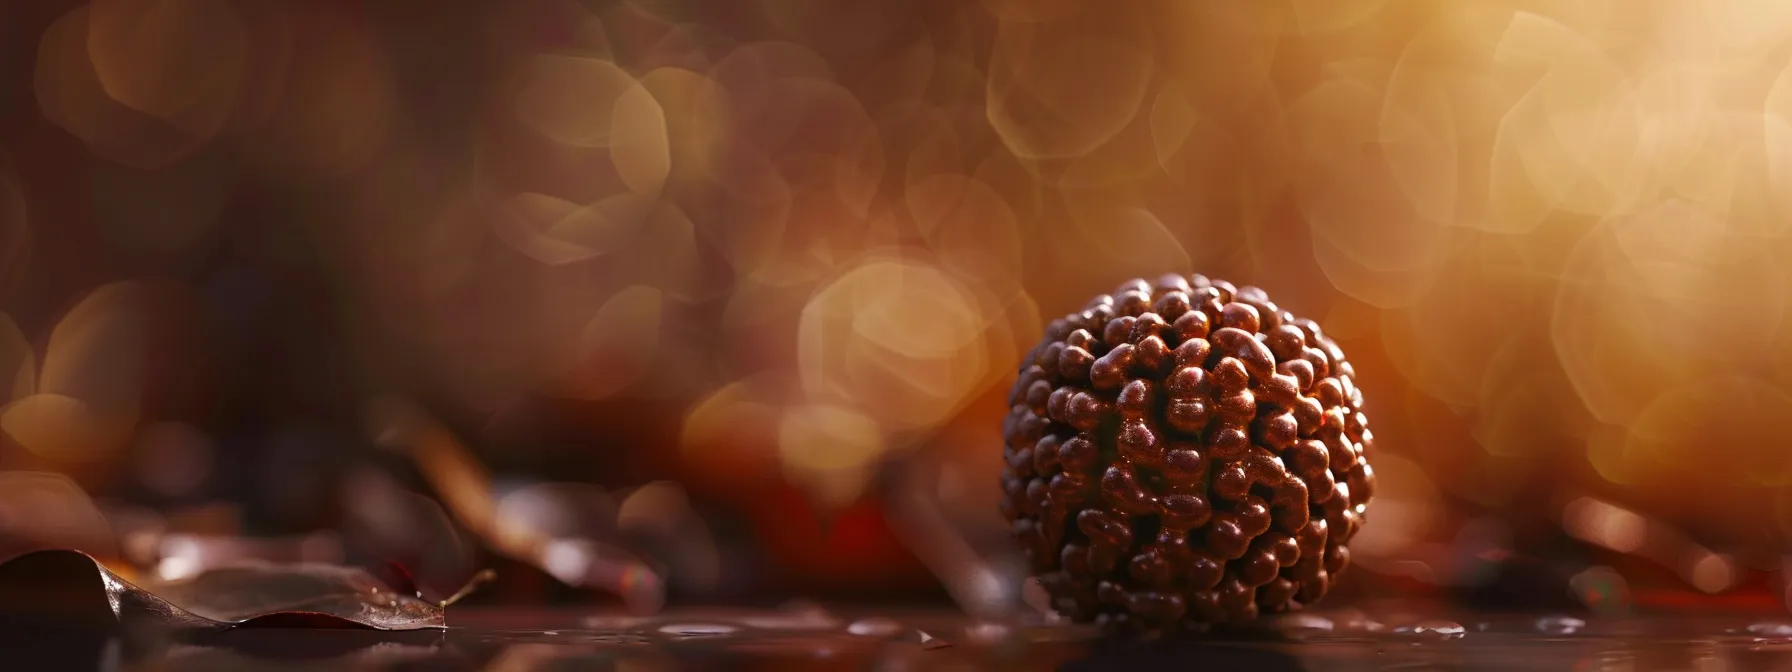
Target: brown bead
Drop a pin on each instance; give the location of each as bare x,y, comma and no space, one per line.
1172,306
1322,364
1037,395
1185,511
1286,342
1021,461
1110,371
1150,568
1085,412
1236,597
1300,370
1118,331
1237,408
1240,316
1249,351
1152,357
1045,453
1184,450
1071,488
1278,390
1187,382
1133,303
1134,285
1311,538
1156,607
1081,338
1138,444
1078,454
1227,290
1277,432
1229,443
1274,596
1149,324
1258,567
1230,375
1073,363
1307,459
1253,516
1191,324
1056,404
1204,606
1103,527
1171,283
1184,465
1121,489
1137,399
1188,416
1287,551
1226,538
1204,572
1308,414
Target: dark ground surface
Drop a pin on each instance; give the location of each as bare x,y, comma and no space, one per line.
810,637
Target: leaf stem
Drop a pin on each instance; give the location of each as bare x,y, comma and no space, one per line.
483,577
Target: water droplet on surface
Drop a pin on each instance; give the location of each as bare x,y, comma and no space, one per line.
1299,621
794,615
623,639
1560,625
805,607
1435,630
1355,621
616,622
550,632
697,629
988,632
921,638
875,626
1300,626
1771,629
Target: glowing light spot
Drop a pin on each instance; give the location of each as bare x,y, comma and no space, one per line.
18,364
180,61
70,96
573,100
1712,573
15,230
1406,509
897,339
1604,524
1061,90
335,104
554,231
829,450
619,343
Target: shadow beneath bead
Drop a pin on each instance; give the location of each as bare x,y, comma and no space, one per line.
1257,654
291,644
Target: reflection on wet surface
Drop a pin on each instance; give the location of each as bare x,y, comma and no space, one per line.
809,637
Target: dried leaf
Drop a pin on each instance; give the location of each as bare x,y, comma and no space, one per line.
69,586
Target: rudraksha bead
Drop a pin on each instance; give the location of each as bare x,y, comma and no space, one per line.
1185,452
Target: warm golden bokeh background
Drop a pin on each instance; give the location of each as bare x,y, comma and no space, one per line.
768,248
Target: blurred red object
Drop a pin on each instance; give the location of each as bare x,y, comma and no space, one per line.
851,549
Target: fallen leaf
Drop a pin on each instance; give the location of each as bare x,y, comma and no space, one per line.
71,587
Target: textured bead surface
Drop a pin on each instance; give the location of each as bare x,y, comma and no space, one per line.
1185,451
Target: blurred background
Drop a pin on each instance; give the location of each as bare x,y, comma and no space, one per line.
669,300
